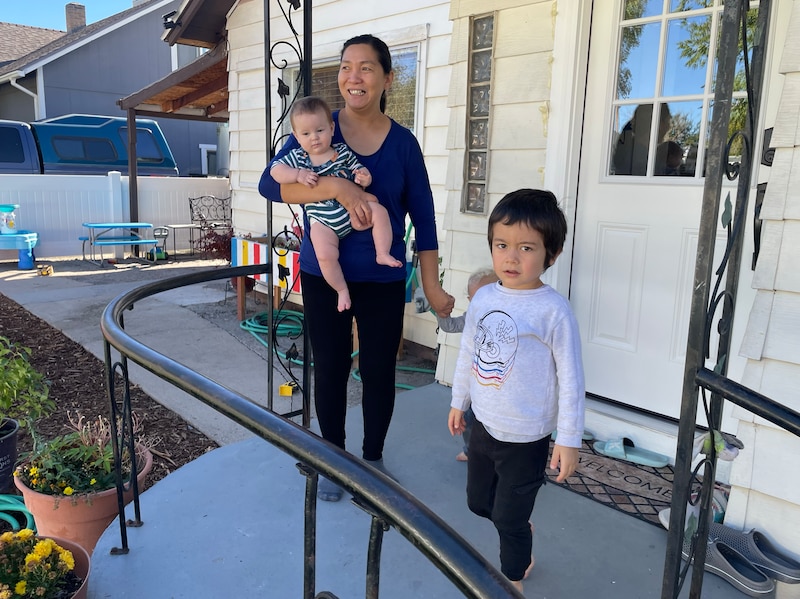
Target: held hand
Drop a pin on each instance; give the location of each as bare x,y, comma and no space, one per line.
363,177
307,178
441,302
568,458
456,422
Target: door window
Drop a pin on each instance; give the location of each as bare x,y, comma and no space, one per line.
666,64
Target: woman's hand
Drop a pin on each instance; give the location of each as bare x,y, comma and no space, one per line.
356,201
441,302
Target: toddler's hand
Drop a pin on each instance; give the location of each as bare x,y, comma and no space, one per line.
568,458
456,422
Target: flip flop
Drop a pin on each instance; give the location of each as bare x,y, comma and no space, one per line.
624,449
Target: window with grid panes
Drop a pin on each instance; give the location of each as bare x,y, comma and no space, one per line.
401,100
478,106
666,68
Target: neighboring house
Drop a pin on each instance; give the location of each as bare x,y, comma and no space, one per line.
512,94
90,67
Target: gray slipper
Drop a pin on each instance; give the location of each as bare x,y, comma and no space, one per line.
758,549
328,491
732,566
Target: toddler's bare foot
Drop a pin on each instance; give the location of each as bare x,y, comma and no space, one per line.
517,584
388,260
462,457
344,300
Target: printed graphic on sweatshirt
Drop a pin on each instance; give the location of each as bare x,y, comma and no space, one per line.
496,343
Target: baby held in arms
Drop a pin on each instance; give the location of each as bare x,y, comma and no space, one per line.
312,125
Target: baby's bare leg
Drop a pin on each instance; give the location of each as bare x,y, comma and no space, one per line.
382,236
326,245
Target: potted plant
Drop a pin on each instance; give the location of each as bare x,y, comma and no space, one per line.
24,397
69,482
45,567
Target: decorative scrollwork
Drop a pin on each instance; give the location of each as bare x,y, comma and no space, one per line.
284,91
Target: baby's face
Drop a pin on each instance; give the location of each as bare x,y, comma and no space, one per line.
313,131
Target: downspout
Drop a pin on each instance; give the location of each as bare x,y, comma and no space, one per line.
12,79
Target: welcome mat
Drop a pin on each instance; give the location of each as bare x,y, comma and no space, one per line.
641,491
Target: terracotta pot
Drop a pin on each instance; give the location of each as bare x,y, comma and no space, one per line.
79,518
82,563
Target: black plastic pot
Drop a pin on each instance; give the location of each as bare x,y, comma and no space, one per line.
8,453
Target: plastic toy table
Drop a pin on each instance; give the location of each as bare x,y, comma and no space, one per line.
24,241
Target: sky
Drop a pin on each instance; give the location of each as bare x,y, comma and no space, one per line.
50,14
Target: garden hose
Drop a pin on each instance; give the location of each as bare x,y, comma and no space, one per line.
15,503
289,323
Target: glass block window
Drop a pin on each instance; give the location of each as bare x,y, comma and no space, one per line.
666,69
479,88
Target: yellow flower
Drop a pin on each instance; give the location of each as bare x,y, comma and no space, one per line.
93,481
67,558
25,534
68,491
6,537
19,589
33,471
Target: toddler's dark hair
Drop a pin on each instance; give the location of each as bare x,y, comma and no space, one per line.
537,209
309,105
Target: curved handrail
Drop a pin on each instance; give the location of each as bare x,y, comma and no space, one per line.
426,531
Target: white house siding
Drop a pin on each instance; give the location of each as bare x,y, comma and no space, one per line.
766,488
521,82
423,21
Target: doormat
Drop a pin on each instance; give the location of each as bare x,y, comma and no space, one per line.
640,491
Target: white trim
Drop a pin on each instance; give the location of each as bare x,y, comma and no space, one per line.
565,121
204,151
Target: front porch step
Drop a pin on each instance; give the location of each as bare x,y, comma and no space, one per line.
608,421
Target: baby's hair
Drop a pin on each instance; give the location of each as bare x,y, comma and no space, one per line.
479,275
310,105
537,209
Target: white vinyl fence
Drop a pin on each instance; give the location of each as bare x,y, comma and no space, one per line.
55,206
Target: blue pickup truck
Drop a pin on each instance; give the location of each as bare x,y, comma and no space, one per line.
81,144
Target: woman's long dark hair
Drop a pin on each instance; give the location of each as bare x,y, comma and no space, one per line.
381,49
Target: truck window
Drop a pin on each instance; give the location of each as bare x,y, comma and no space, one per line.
11,146
147,149
84,148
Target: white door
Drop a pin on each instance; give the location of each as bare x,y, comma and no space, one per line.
649,94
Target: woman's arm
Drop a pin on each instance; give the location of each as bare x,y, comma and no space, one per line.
441,302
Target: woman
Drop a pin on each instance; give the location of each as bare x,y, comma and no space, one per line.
400,184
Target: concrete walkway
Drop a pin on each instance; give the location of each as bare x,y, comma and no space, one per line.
230,524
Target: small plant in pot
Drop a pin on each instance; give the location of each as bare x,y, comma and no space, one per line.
34,566
69,482
24,398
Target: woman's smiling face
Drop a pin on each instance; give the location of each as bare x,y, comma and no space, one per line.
362,79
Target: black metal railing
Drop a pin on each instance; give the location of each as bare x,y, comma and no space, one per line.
716,305
389,505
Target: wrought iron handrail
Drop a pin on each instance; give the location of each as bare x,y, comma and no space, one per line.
706,301
389,505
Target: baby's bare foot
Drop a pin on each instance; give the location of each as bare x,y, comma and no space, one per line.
517,584
388,260
344,300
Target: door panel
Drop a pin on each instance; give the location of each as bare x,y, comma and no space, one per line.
639,198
